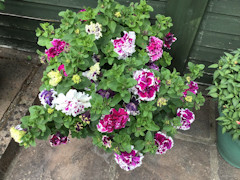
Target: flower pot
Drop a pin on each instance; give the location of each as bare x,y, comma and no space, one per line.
228,149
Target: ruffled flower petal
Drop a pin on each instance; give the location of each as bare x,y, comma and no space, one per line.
129,161
58,47
187,118
58,139
114,120
147,85
163,142
168,40
125,46
47,97
154,48
73,103
94,29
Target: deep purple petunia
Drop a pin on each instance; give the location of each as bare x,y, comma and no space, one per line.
58,139
47,97
168,40
106,93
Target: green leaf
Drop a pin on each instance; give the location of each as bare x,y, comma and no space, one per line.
95,117
127,98
213,66
229,96
95,49
214,95
235,102
152,126
149,136
115,100
139,145
112,26
43,41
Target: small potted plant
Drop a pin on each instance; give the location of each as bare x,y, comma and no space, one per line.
107,78
226,89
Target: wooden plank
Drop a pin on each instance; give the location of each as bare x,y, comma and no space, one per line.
19,44
19,34
50,9
187,16
218,40
228,7
221,23
33,10
19,23
202,53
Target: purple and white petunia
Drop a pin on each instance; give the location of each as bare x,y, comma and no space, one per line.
73,103
132,106
47,97
193,87
106,93
154,48
107,141
125,46
114,120
129,161
58,139
151,65
147,85
163,142
187,118
168,40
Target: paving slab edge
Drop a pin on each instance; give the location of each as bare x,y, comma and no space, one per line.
18,108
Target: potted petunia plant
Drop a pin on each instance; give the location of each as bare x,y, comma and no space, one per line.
225,88
107,78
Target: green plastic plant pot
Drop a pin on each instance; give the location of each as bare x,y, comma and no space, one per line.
228,149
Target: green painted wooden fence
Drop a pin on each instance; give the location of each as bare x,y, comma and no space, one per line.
205,28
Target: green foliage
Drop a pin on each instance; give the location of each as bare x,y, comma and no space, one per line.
115,74
2,5
226,88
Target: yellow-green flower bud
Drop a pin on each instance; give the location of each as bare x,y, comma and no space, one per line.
161,102
188,78
17,134
77,31
188,98
50,110
55,78
76,79
168,82
118,14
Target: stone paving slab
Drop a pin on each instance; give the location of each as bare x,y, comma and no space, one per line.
19,107
81,160
12,75
226,171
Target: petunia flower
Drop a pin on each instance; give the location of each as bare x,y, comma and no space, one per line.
187,118
61,68
17,133
114,120
168,40
125,46
147,85
47,97
73,103
163,142
129,161
154,48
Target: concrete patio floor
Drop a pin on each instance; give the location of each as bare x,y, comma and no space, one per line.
193,157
